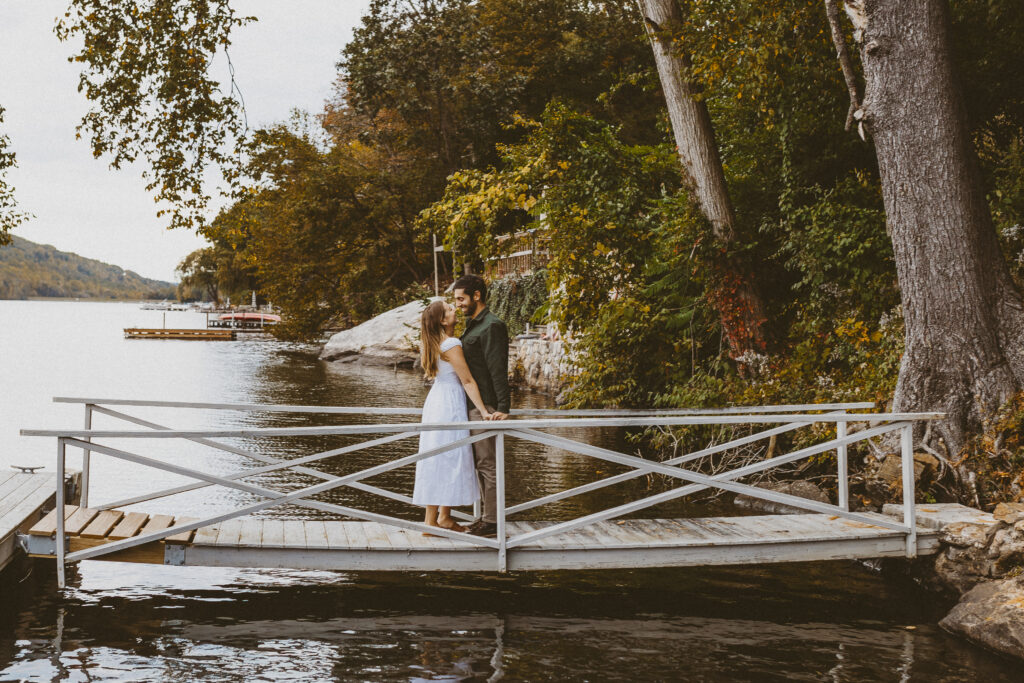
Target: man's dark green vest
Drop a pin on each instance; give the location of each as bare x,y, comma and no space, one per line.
485,345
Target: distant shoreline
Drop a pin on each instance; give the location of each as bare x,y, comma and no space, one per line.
83,299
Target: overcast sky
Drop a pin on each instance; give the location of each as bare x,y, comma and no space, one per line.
285,60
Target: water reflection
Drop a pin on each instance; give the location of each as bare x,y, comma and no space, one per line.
322,626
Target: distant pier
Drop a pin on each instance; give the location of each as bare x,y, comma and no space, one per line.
161,333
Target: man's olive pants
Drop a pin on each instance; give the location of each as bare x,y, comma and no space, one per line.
486,472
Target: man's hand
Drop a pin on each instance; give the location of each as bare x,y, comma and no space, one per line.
496,415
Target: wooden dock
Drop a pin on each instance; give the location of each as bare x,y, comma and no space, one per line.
353,545
163,333
23,498
614,537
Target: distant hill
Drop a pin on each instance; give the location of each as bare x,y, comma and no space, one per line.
28,270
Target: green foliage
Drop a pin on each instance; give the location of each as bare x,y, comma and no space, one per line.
625,249
10,216
215,272
456,71
38,270
145,69
835,242
327,218
516,299
327,222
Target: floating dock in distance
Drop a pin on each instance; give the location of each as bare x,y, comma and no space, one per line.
159,333
24,498
356,545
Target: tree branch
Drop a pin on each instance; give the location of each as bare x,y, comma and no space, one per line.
843,54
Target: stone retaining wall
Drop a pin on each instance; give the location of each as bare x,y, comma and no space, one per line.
540,365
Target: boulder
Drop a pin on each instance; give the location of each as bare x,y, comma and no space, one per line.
1011,513
392,338
801,489
979,552
888,478
991,615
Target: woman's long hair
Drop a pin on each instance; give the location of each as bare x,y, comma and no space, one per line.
431,329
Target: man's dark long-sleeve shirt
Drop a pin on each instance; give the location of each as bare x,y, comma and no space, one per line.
485,345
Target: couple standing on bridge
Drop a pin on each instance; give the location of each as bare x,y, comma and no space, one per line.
473,367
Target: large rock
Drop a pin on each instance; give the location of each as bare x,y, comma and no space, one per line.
974,553
886,482
1011,513
801,489
991,615
392,338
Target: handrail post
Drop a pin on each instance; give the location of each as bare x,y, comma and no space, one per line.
499,466
842,466
909,513
60,512
86,457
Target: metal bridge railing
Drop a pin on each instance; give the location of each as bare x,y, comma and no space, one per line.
527,425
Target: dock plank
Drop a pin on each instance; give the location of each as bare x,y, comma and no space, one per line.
156,523
230,532
206,535
273,533
181,536
553,542
397,538
336,536
28,487
128,526
78,521
252,533
47,526
294,534
619,535
316,534
102,524
356,535
13,483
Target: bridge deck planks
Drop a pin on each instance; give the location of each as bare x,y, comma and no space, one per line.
624,543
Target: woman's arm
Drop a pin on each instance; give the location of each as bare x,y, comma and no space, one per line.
458,360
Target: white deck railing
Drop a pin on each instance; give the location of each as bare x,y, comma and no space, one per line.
527,425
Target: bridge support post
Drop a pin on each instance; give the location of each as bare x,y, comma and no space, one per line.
86,457
499,463
60,512
842,467
909,513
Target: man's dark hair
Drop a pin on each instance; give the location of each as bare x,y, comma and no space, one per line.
471,284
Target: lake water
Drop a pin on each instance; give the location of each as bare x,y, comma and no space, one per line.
807,622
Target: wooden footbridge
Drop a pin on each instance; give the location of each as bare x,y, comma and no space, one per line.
361,539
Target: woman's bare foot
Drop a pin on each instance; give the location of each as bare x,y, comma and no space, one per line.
453,527
450,524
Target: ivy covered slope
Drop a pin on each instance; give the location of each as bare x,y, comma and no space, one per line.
28,270
520,299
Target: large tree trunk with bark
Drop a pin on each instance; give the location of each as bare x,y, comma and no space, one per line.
740,307
963,313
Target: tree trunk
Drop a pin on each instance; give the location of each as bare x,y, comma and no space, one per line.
963,314
739,306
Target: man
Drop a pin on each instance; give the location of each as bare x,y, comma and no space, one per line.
485,345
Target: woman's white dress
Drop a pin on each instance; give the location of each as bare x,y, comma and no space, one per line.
447,478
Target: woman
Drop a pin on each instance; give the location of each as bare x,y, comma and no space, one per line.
447,479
